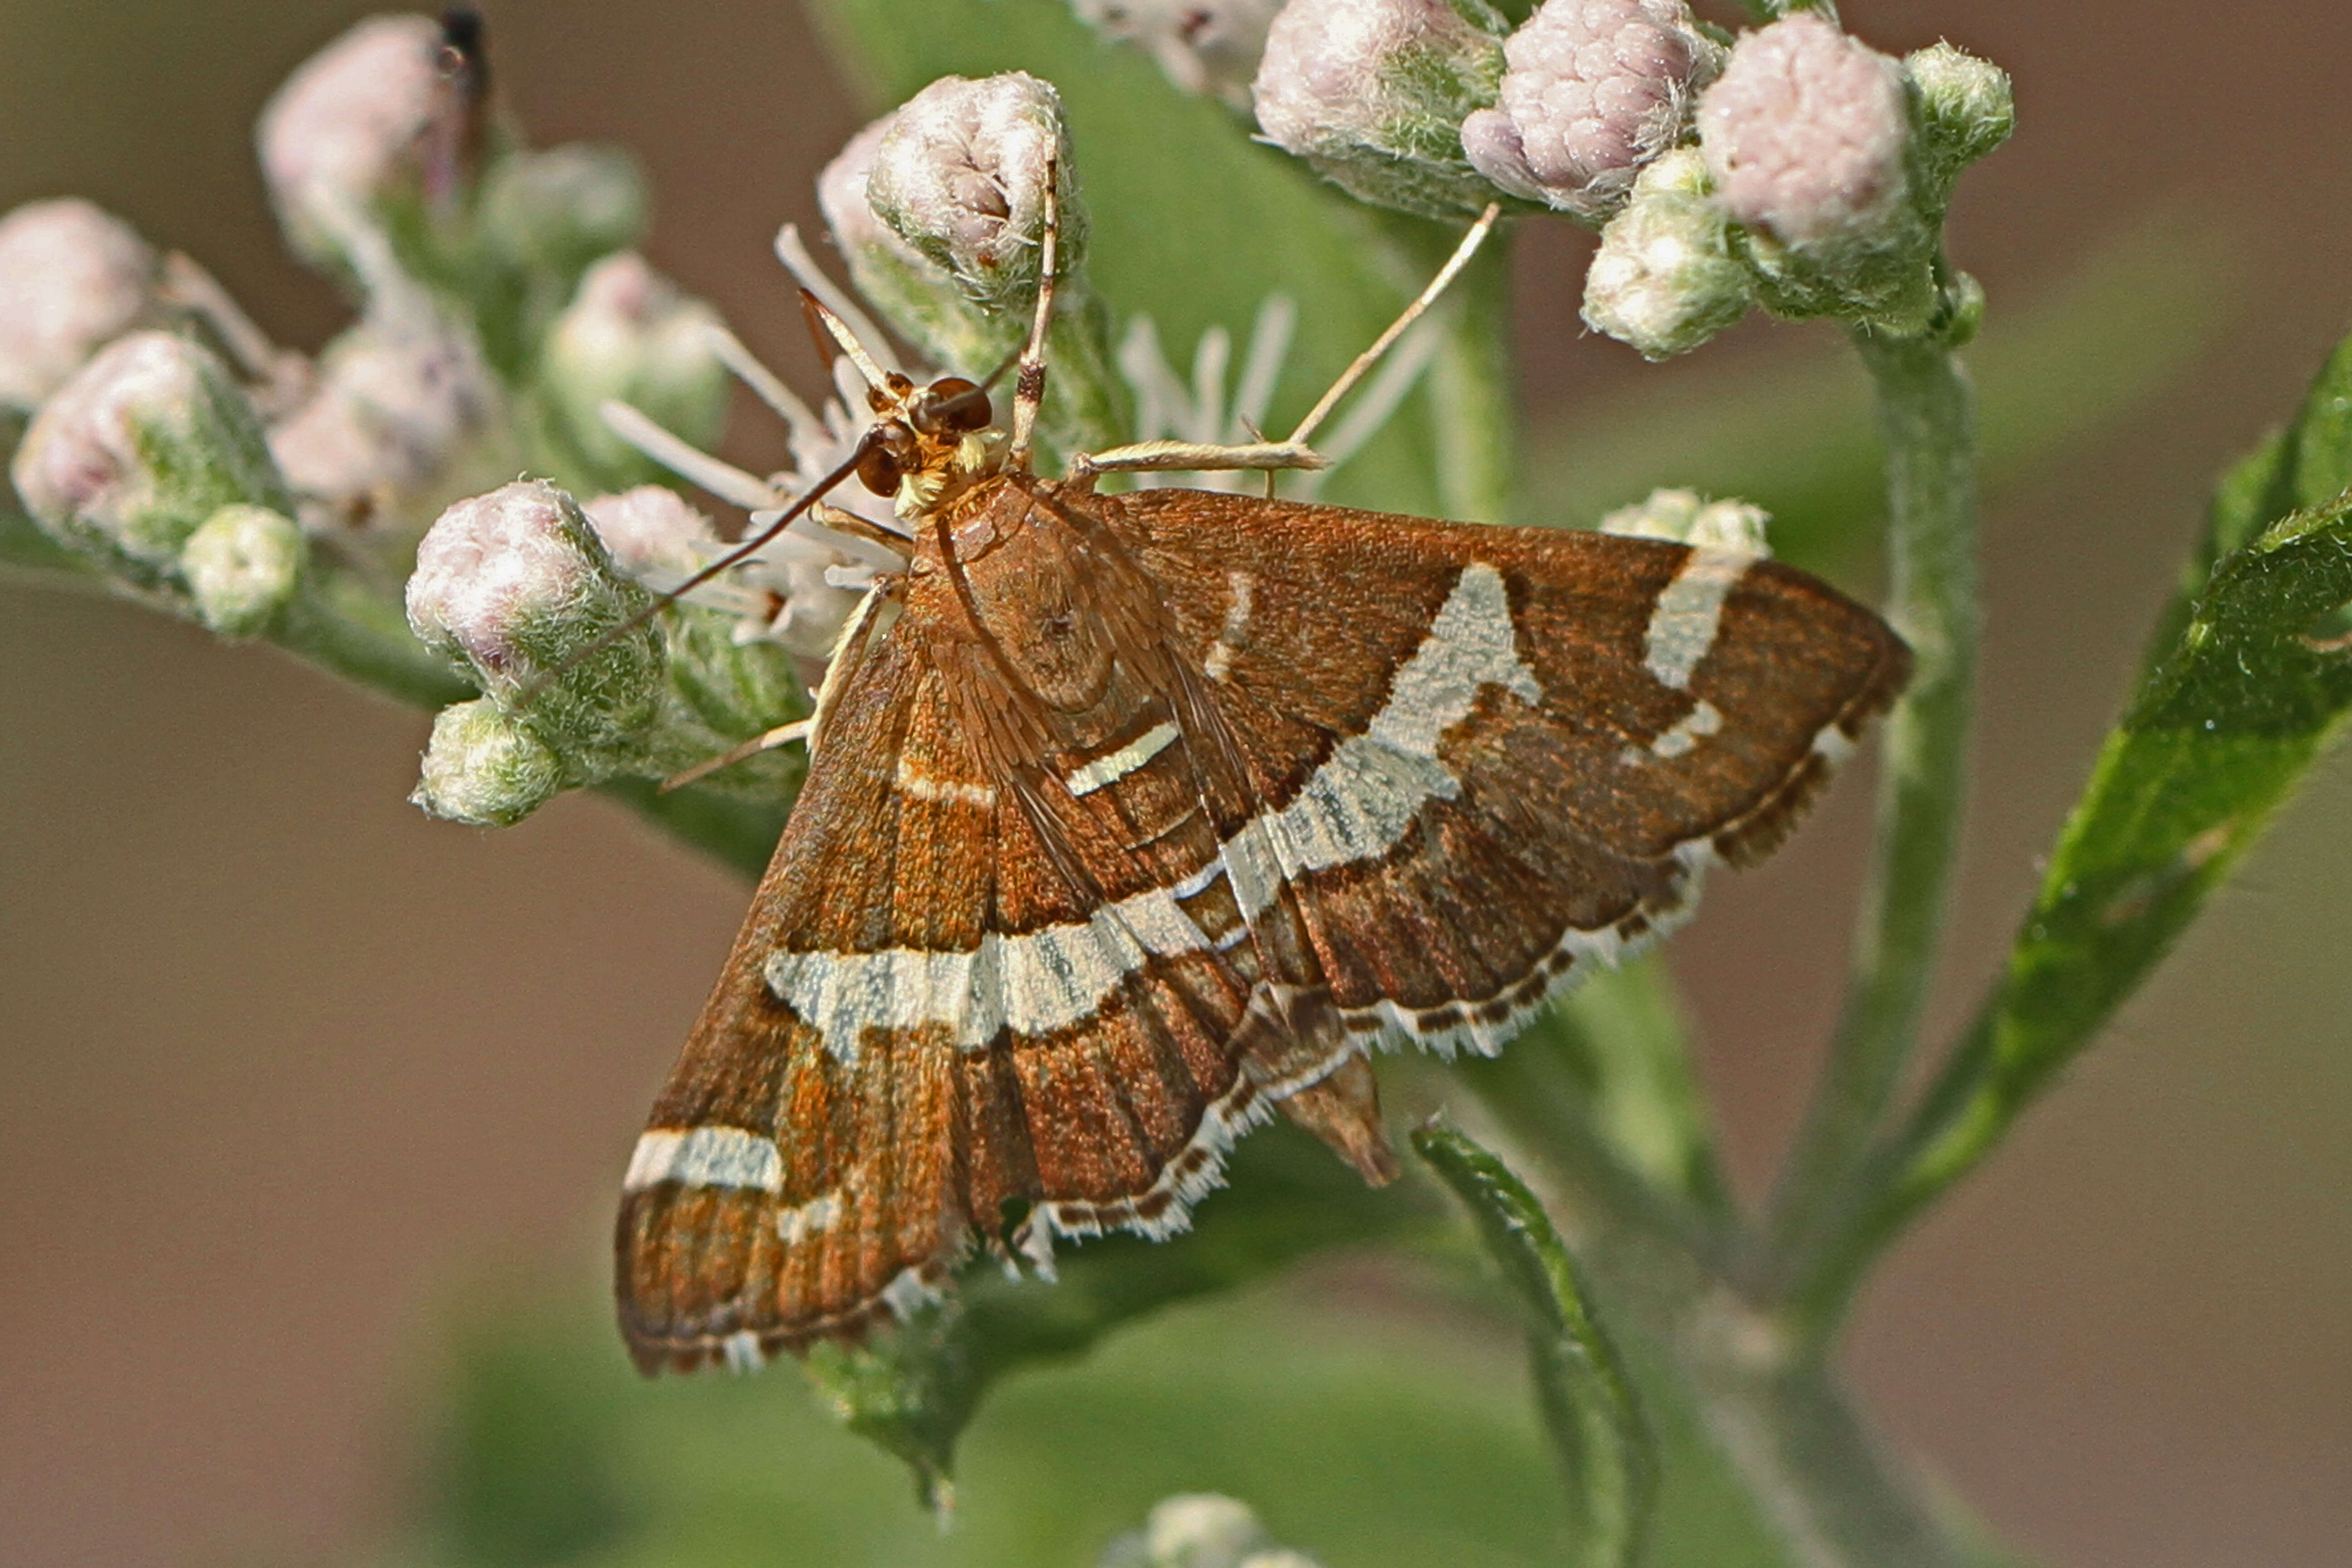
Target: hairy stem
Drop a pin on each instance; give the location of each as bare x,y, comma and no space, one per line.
1927,424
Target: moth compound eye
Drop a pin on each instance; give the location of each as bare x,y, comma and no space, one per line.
878,471
956,407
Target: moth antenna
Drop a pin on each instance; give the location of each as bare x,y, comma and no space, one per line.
765,383
809,275
688,462
1029,388
742,552
824,323
1396,329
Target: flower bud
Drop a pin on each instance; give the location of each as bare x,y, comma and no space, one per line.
405,415
72,280
914,293
653,534
1963,110
483,768
551,213
629,334
1665,278
1685,516
130,457
347,129
515,588
1595,90
1806,134
961,177
1208,47
1372,94
242,566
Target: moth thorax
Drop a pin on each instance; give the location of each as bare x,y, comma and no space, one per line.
1031,590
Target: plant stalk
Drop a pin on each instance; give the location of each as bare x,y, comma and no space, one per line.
1927,423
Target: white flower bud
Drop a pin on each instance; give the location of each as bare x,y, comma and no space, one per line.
1685,516
1964,109
405,415
484,768
1804,134
242,567
348,128
629,334
1202,1530
148,440
515,588
960,177
915,293
551,213
653,534
72,280
1665,279
1209,47
1372,94
1595,90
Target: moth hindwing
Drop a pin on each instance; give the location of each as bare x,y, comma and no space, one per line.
1149,815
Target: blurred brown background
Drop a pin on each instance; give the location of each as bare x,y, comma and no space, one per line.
285,1064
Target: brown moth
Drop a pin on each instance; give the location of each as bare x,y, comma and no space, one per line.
1134,818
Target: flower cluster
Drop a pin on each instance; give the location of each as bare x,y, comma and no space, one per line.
1792,167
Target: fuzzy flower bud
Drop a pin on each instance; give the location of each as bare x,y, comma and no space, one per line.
406,415
1964,110
1595,90
653,532
551,213
1805,136
1372,94
1208,47
630,335
128,457
348,129
961,177
1665,279
515,588
72,280
242,568
1685,516
483,768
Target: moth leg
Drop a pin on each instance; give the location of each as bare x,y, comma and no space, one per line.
782,735
1187,456
1029,383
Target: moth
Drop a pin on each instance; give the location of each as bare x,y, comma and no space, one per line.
1133,819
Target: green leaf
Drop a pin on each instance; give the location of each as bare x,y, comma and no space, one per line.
1584,1390
913,1391
1797,436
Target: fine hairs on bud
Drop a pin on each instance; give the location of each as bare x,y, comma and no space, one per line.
960,176
1805,135
1208,47
1372,94
73,278
148,440
1595,90
1665,278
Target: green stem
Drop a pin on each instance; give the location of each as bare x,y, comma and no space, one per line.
339,624
1835,1496
1929,427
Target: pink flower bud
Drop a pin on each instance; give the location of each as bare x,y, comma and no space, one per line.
349,125
653,533
1205,47
1804,136
1595,88
72,280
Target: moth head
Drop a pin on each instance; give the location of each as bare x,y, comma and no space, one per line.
929,441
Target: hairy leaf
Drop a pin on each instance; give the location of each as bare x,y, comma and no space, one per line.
1584,1391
